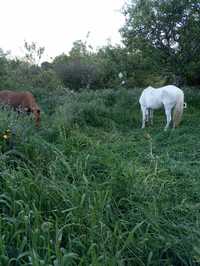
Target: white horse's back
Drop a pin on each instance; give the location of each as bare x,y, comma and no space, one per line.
171,91
155,98
168,96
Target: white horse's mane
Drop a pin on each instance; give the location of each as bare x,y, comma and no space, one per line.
150,87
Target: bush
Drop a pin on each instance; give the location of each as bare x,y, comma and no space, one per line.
77,74
107,109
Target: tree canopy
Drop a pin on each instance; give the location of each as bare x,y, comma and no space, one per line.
167,31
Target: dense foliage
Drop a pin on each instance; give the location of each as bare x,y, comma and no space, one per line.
166,32
91,188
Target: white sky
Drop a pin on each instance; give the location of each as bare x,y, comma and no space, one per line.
56,24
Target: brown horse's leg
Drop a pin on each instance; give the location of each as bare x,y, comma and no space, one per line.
37,117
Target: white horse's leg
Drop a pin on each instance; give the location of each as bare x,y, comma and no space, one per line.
168,116
143,116
151,116
147,114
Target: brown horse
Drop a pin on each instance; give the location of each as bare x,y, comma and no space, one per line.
21,102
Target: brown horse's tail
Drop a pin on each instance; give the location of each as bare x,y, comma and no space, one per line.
178,110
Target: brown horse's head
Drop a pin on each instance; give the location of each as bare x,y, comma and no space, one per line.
21,101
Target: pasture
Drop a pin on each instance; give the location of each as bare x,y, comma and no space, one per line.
90,187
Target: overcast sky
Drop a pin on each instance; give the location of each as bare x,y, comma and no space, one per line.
56,24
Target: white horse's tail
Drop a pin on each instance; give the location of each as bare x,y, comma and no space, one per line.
178,110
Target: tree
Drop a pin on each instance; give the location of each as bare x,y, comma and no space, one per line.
33,53
79,49
111,61
78,69
165,30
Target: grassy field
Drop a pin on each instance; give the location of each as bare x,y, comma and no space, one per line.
92,188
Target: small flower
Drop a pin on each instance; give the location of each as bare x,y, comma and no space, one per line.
5,136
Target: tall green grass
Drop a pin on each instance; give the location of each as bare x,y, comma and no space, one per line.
91,188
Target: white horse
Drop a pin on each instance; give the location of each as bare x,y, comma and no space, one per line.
168,96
